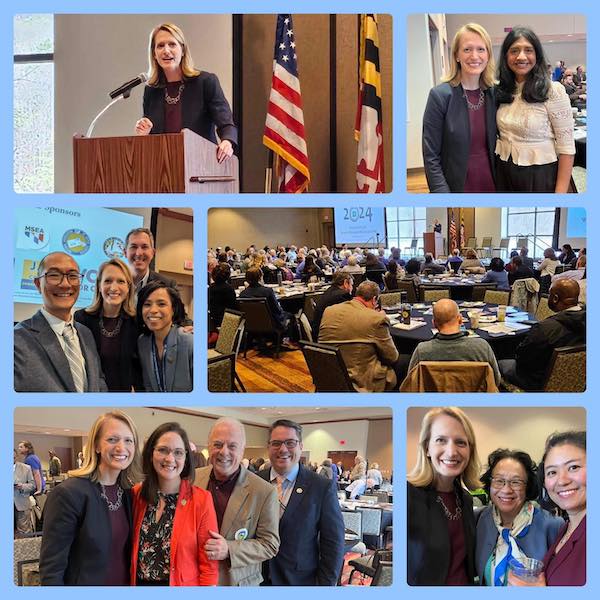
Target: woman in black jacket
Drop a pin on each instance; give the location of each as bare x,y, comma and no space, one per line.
88,518
111,319
179,96
441,524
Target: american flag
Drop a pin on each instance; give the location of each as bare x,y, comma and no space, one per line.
284,127
368,130
452,231
463,239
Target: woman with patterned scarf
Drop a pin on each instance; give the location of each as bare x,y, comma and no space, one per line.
512,527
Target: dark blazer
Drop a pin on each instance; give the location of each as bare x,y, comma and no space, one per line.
262,291
447,137
41,364
568,566
129,373
540,535
220,297
179,375
428,547
154,276
203,105
311,532
76,540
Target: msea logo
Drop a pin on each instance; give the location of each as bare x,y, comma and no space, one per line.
28,273
32,237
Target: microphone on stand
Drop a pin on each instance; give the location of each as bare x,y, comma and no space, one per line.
125,89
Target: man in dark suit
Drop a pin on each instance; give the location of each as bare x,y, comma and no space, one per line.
140,251
339,291
565,328
52,352
311,527
527,260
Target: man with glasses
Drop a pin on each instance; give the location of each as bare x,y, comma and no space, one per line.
246,506
311,527
52,352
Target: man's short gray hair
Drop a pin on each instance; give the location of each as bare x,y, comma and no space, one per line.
231,422
368,290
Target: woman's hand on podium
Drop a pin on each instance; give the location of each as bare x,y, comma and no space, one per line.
143,126
224,151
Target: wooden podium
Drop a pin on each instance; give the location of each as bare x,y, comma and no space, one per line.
176,163
433,242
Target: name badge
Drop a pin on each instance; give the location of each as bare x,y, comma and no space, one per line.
241,534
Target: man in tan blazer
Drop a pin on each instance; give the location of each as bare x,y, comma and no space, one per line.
247,508
363,335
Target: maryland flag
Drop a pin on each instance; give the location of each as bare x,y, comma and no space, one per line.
368,128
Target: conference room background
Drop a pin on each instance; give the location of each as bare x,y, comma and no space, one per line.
397,131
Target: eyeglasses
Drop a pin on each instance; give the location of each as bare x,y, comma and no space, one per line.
57,277
514,484
289,444
178,453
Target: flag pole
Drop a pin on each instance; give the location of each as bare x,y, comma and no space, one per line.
269,173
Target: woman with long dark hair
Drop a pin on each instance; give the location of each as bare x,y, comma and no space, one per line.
535,149
172,517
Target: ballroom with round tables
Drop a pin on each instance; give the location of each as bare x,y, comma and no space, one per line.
410,299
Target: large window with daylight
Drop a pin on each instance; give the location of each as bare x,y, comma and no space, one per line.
33,103
531,227
405,224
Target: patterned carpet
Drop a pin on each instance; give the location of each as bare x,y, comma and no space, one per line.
264,373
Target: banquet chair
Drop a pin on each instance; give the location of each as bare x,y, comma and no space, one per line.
409,288
390,298
259,322
230,338
450,376
368,565
543,311
26,551
496,297
327,367
384,573
480,289
434,295
221,373
305,327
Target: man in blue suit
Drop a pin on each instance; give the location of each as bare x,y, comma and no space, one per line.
311,527
52,352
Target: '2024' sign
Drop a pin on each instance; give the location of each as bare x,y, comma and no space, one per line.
358,213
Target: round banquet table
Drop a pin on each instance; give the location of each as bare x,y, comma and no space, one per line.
503,346
460,287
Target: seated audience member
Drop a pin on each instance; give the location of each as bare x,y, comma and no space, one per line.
497,274
411,272
451,343
292,254
567,255
428,267
393,275
310,269
340,290
52,352
577,273
471,263
327,259
509,267
519,271
382,259
286,274
548,266
352,265
221,295
358,487
395,255
372,263
325,469
527,260
256,289
371,360
566,328
374,474
579,76
454,261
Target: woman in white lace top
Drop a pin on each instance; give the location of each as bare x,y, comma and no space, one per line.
535,149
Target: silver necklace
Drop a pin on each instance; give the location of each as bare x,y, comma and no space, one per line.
113,506
110,334
174,100
479,103
449,515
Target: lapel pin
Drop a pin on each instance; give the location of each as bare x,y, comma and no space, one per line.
241,534
299,490
183,502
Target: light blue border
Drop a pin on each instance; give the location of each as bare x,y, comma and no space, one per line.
399,9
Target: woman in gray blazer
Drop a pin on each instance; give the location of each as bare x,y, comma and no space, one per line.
166,351
459,124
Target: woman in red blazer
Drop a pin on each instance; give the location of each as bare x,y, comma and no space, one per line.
564,473
171,517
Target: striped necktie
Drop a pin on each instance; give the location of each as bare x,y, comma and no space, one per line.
282,485
75,358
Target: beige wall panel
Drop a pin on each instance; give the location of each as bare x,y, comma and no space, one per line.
380,447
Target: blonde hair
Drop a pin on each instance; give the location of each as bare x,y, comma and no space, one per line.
423,474
90,468
487,77
155,73
128,305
